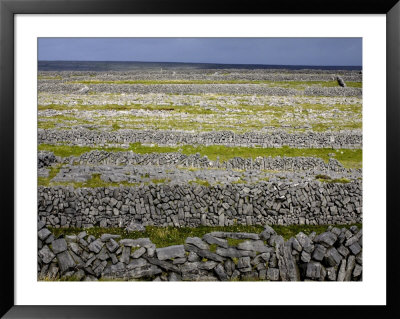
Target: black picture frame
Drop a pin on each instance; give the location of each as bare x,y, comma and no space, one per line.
8,10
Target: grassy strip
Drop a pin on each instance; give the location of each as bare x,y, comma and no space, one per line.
288,84
166,236
328,179
350,158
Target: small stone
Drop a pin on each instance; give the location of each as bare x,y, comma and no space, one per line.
107,237
96,246
332,257
355,248
305,257
319,252
65,261
196,241
327,239
135,227
244,262
59,245
343,251
193,257
46,254
357,270
220,271
112,245
331,273
313,270
273,274
170,252
44,233
138,252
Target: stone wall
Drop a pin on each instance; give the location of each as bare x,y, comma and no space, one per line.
283,203
349,139
102,157
335,255
63,88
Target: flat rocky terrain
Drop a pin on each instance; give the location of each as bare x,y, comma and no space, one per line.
206,147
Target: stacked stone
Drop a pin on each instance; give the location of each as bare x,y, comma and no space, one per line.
193,205
335,255
103,157
46,159
82,136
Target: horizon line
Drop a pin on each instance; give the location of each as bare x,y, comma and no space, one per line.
314,65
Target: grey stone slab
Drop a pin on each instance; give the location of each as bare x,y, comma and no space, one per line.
273,274
96,246
65,261
59,245
215,241
44,233
196,241
170,252
46,255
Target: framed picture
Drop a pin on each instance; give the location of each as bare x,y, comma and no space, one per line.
152,141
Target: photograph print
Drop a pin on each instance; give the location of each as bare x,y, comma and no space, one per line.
199,159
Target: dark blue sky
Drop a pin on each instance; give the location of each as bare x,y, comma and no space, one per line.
281,51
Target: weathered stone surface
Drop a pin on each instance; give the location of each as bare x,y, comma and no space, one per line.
313,270
135,263
355,248
135,227
176,251
215,241
288,268
44,233
107,237
327,239
138,252
319,252
140,242
257,246
332,257
204,253
234,253
96,246
342,271
357,270
65,261
305,242
197,242
145,271
220,271
235,235
331,273
163,264
46,254
59,245
273,274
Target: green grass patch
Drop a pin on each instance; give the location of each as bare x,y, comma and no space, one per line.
234,242
167,236
201,182
45,181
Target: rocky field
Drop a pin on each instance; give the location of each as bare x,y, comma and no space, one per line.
188,148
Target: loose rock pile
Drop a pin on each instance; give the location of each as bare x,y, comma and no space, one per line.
335,255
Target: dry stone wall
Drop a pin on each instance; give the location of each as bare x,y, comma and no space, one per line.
192,205
350,139
335,255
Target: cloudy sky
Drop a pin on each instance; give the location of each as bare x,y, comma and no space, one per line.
275,51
